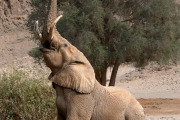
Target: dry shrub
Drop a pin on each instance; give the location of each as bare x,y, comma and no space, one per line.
25,98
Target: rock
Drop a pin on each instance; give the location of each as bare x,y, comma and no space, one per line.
13,14
15,7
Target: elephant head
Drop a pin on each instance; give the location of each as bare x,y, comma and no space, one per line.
69,66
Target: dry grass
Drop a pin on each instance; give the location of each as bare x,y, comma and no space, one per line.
24,98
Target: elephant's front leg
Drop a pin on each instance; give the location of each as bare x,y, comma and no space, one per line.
60,117
79,113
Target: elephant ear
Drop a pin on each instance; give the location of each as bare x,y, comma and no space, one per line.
78,77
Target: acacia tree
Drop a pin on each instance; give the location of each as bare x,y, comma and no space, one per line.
112,32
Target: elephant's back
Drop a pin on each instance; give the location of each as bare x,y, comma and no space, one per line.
119,93
121,99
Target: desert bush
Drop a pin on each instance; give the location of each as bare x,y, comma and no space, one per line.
25,98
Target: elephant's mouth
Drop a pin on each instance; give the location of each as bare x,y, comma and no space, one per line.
46,47
45,50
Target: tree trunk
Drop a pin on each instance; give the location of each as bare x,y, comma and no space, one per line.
98,75
114,73
103,78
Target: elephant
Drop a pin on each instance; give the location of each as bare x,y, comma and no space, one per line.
79,96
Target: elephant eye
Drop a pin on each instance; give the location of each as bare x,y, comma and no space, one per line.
65,45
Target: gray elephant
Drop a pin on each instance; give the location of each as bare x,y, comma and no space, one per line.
79,95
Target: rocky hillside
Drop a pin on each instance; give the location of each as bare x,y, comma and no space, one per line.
13,15
15,39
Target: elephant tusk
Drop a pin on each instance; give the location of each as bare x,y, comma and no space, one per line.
52,27
57,19
37,31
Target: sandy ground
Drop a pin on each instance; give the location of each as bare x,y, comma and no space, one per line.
156,87
161,109
153,81
164,117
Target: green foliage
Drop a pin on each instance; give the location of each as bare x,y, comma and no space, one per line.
25,98
156,27
101,28
35,53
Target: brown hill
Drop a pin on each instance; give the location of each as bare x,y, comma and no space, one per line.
15,39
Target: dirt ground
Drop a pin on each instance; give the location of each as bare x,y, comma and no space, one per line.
161,106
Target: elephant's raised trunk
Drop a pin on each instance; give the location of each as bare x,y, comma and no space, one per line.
50,24
52,14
